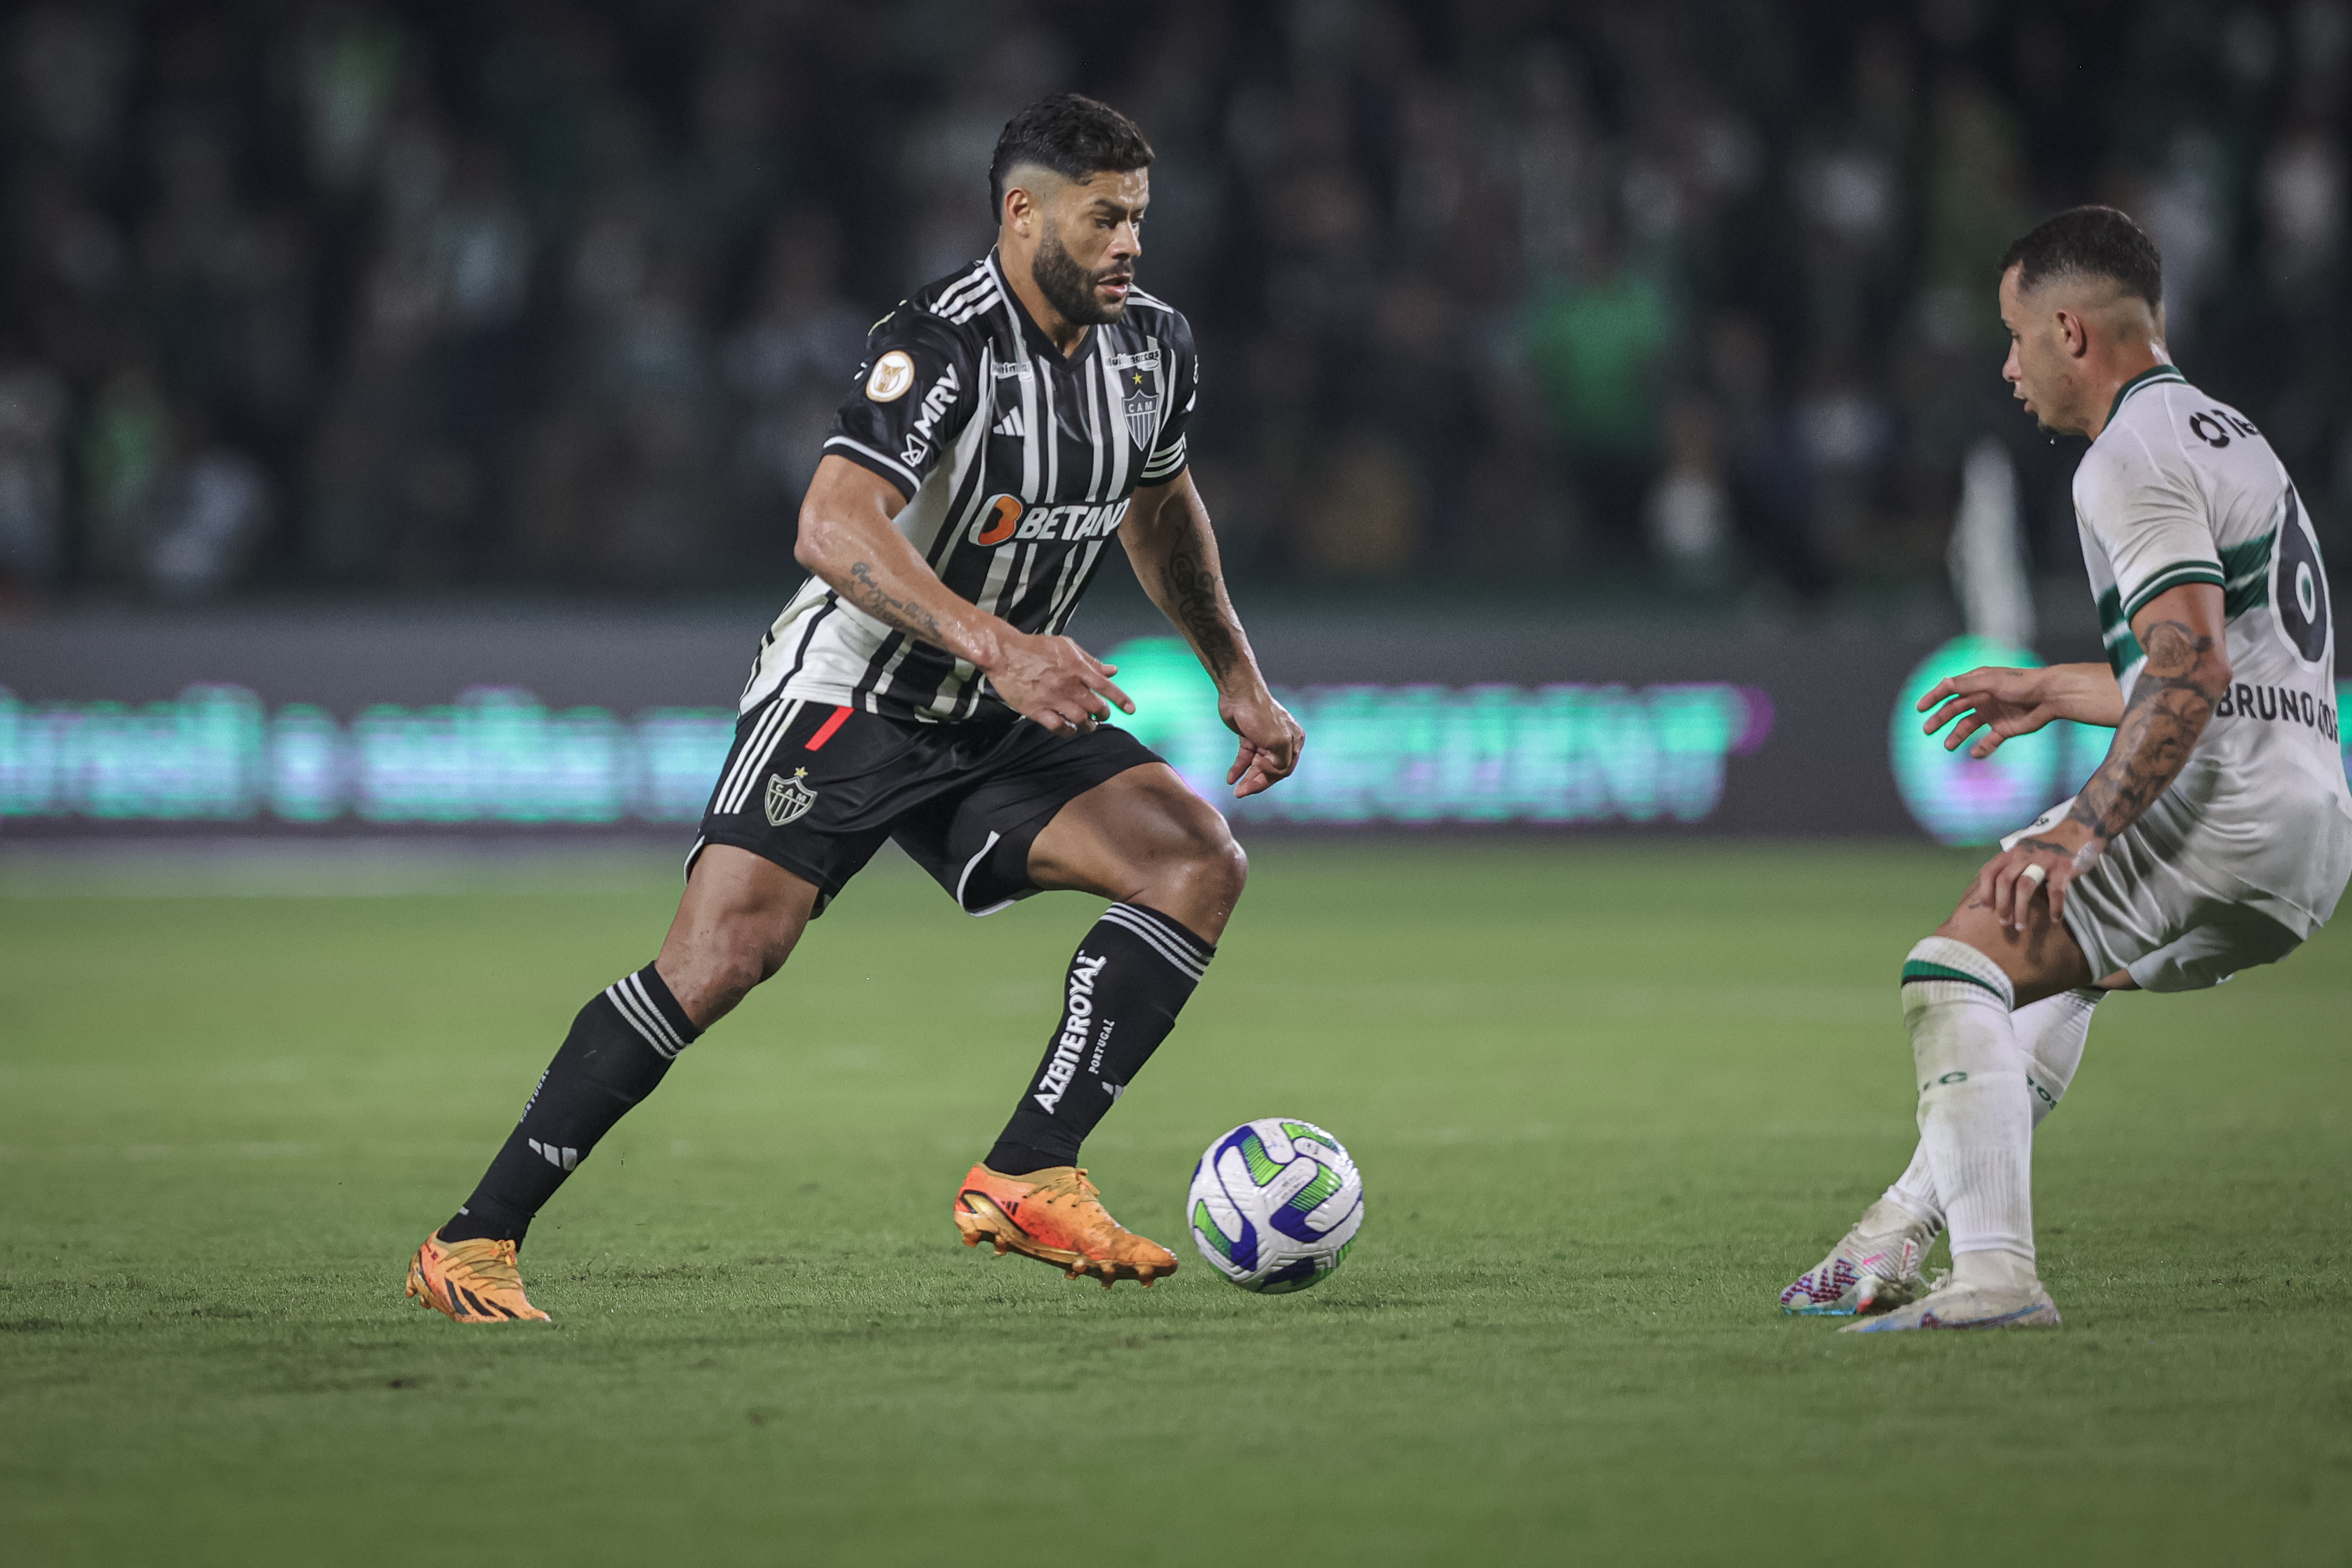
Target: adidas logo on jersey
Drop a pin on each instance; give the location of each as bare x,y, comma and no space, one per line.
1011,424
562,1159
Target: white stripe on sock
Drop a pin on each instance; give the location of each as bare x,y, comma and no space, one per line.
1152,940
631,1018
1178,959
642,1017
637,984
1167,928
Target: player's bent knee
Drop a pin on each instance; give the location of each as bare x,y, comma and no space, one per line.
713,974
1228,866
1980,930
753,948
1204,888
719,950
1211,856
2039,961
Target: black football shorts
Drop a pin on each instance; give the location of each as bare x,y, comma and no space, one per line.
817,789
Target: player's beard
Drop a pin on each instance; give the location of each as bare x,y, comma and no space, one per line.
1070,289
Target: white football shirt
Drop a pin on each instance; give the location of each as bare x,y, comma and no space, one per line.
2181,488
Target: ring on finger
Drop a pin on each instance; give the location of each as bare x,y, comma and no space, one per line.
2034,872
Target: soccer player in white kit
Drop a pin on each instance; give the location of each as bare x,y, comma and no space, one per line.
2217,834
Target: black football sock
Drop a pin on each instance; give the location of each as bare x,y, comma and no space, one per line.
618,1048
1129,978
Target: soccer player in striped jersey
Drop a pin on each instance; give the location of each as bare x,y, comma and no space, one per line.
1010,421
2217,835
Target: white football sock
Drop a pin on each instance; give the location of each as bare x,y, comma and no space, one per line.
1976,1126
1914,1191
2051,1032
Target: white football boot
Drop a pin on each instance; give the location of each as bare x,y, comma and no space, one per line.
1874,1270
1952,1305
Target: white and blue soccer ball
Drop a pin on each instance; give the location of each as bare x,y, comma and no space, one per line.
1275,1203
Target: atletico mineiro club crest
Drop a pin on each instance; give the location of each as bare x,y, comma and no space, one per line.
789,799
1142,408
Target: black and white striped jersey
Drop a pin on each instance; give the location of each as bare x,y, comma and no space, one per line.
1018,464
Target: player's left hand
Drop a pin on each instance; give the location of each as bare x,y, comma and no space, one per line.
2047,865
2003,703
1271,741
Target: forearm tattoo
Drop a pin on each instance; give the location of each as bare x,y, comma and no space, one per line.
1197,604
904,613
2170,707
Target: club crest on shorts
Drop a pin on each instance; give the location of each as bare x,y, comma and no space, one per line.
789,799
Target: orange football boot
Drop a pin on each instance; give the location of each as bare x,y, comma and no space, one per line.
473,1281
1056,1216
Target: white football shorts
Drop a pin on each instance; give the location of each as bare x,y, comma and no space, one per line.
2182,900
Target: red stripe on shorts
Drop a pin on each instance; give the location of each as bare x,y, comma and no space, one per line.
824,731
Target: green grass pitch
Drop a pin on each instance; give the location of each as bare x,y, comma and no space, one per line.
1607,1098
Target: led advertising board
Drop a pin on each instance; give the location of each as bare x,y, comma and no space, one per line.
1555,754
1406,754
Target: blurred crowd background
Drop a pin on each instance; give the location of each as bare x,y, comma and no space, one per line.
1673,297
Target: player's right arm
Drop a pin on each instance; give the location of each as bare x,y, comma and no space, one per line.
849,537
920,385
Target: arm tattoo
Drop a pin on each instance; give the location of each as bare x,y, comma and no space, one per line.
1194,604
904,613
2170,707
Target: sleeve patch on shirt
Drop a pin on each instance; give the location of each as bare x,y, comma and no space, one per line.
893,374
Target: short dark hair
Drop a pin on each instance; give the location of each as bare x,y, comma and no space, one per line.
1074,137
2090,242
